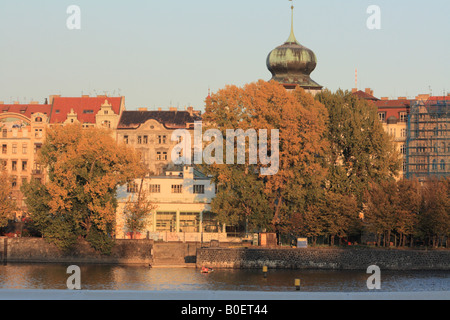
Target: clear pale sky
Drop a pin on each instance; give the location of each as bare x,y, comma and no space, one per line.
162,53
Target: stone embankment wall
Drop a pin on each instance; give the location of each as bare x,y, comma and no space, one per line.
38,250
324,258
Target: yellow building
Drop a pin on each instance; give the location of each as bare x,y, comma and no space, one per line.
22,134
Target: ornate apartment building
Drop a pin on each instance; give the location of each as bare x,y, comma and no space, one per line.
22,132
23,129
150,133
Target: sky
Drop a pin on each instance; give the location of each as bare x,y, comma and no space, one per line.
170,53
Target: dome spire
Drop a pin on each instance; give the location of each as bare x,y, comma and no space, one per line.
291,38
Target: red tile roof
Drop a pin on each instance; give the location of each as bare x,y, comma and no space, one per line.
85,107
393,103
364,95
393,107
441,98
26,109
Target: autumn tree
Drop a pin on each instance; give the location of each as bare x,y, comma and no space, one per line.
7,204
84,167
380,214
434,218
407,210
301,125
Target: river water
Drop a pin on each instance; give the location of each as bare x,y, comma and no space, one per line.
113,277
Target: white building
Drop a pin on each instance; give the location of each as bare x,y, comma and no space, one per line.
182,199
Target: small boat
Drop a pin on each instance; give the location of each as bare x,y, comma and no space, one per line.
206,270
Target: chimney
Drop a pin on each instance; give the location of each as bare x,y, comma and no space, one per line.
34,102
142,109
384,98
173,109
16,102
402,98
354,90
159,109
190,110
369,91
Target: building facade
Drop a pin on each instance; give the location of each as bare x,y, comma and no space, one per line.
23,129
182,200
393,114
428,139
150,133
420,129
100,111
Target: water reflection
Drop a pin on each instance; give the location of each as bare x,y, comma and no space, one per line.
110,277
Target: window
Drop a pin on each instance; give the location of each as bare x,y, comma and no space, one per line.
403,117
177,188
382,116
139,140
37,168
442,165
125,139
132,187
38,133
154,188
57,111
14,181
5,133
4,163
161,156
145,140
4,149
37,147
403,149
88,111
162,139
38,119
14,165
24,165
434,166
14,148
199,188
403,133
393,132
24,148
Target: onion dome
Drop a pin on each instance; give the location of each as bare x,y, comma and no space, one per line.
291,63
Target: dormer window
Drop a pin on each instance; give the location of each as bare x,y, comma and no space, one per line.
88,111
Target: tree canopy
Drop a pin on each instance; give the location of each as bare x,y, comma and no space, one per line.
84,167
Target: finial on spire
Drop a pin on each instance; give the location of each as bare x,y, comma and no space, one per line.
292,38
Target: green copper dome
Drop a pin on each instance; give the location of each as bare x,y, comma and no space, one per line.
291,63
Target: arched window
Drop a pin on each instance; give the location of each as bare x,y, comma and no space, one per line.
442,165
106,124
434,166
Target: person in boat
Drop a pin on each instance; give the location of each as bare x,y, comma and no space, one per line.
206,269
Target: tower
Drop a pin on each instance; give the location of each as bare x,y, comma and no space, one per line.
292,63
